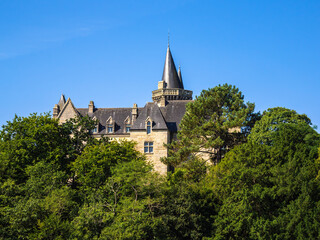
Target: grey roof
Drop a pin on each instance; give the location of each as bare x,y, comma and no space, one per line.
170,75
61,102
180,77
153,111
163,118
118,115
173,113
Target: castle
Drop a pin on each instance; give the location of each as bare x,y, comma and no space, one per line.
150,127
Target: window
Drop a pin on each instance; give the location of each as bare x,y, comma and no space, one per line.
148,127
110,128
95,130
148,147
128,126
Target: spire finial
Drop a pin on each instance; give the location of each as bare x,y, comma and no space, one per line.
168,39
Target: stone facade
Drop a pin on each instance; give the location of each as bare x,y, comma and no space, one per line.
151,126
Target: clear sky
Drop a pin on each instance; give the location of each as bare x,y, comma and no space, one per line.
113,52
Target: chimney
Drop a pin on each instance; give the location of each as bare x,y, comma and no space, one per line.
91,107
56,111
162,84
134,112
162,102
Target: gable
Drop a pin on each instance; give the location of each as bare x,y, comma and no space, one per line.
68,111
151,111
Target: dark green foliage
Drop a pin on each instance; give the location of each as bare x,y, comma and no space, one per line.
213,124
57,182
28,140
270,191
271,120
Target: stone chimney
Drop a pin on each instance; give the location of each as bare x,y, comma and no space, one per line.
162,102
162,84
91,107
56,111
134,112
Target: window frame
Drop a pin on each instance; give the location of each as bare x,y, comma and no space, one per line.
128,128
149,125
110,126
148,147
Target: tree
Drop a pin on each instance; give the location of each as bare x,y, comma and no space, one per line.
27,140
36,153
270,191
213,124
271,120
119,192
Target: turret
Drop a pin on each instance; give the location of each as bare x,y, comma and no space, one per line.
56,111
171,86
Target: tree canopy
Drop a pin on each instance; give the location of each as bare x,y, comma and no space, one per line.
213,124
57,182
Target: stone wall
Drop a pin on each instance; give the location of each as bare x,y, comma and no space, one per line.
67,114
159,138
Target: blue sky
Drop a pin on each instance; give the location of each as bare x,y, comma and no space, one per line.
113,52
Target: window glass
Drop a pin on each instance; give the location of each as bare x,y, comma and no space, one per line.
148,127
148,147
128,126
110,128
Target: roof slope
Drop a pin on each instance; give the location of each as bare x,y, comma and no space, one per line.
153,111
170,75
173,112
118,115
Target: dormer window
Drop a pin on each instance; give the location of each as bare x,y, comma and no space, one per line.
127,125
148,127
96,128
110,128
110,125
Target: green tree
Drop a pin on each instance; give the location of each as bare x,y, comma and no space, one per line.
214,123
35,157
270,122
118,190
28,140
270,191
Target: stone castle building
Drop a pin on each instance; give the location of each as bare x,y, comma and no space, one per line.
150,126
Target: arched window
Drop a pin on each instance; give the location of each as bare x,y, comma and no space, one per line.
148,127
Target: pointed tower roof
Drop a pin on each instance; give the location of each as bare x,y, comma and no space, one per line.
180,77
170,75
62,101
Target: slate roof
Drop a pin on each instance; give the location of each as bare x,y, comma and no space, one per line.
153,111
118,115
173,113
163,118
170,75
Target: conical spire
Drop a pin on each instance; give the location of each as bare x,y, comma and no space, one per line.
62,101
170,75
180,78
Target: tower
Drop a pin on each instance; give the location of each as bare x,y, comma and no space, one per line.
170,88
